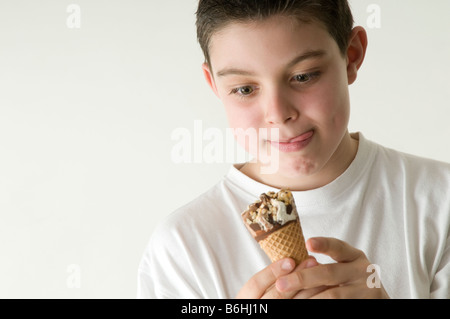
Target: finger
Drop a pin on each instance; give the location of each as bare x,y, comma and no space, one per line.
310,262
308,293
351,291
321,275
339,292
273,293
337,249
263,280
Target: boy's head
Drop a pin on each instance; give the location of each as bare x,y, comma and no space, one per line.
214,15
285,65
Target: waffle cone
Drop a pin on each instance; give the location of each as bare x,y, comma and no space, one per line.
286,242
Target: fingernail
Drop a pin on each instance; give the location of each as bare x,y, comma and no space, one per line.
282,284
287,265
315,244
310,263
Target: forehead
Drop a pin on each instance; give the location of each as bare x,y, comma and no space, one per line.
276,40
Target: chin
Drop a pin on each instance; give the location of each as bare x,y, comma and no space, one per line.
299,167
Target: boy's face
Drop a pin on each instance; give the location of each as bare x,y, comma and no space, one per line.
281,74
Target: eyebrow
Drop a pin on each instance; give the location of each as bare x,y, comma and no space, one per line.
304,56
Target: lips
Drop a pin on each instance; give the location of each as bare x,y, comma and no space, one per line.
300,138
294,144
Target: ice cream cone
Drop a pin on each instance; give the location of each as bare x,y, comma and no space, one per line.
274,223
286,242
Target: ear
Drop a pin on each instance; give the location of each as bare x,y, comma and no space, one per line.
209,77
356,52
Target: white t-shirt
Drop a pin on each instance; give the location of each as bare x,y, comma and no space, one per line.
393,206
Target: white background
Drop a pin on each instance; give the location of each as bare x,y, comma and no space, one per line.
86,117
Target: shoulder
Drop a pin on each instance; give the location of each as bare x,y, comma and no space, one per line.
191,247
207,220
170,263
413,165
199,211
422,182
415,179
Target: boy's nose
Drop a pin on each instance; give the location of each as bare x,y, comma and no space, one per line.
278,108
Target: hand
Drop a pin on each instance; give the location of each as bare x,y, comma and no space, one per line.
345,279
262,285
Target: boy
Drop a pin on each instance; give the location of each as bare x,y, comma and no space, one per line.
376,220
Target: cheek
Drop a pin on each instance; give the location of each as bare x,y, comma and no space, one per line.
245,122
241,117
331,105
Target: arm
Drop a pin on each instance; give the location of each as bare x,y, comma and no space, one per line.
440,287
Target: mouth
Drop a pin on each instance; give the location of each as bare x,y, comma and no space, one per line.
294,144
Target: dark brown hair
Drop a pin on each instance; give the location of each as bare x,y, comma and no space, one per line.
213,15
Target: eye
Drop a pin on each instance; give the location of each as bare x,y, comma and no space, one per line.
302,78
307,77
244,90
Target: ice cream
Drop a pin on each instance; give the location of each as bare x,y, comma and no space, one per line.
274,223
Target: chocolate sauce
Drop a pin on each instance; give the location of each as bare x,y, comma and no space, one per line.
288,209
